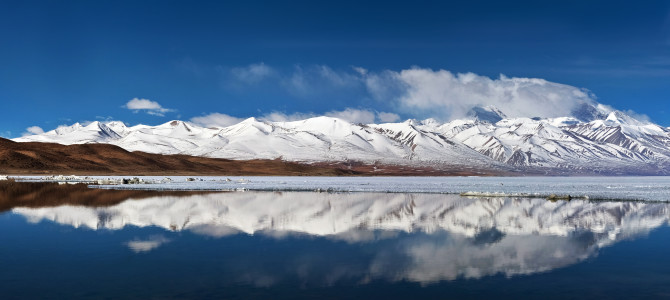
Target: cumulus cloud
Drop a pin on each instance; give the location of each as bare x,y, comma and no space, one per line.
32,130
216,120
35,130
150,107
421,92
253,73
448,95
149,244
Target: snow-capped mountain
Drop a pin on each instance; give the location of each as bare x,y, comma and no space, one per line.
608,142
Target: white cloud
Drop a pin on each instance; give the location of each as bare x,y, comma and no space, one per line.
136,103
359,70
35,130
105,119
151,243
349,114
276,116
386,117
253,73
216,120
354,115
637,116
363,116
447,95
423,93
416,92
32,130
151,107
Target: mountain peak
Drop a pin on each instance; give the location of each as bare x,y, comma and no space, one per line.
431,122
250,120
67,129
412,122
116,125
587,112
620,118
489,114
174,123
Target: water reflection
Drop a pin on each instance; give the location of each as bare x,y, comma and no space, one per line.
416,237
153,242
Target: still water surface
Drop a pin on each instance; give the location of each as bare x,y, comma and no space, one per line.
336,245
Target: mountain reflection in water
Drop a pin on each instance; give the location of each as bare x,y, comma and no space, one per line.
414,237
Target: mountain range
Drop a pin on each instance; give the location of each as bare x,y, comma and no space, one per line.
594,140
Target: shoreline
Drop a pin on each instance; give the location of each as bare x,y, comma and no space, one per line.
649,189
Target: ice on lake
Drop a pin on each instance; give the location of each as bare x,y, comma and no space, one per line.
594,188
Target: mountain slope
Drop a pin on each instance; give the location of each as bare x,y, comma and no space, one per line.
104,159
614,144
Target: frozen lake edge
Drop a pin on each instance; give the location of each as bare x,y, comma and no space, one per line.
656,188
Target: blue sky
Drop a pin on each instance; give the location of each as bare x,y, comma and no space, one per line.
213,61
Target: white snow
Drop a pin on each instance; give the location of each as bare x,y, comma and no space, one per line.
618,143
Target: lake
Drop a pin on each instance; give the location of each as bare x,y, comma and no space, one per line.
63,241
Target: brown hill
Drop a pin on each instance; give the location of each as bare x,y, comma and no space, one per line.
105,159
46,194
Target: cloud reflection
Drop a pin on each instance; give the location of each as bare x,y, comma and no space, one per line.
147,245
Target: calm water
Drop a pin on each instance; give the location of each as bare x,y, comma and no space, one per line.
336,245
